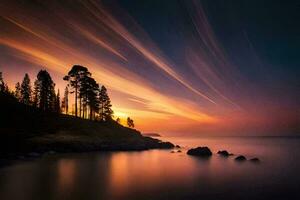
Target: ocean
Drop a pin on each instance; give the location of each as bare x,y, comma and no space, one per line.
160,174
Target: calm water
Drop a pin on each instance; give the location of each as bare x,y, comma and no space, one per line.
159,174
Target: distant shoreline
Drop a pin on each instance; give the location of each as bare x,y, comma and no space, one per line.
152,134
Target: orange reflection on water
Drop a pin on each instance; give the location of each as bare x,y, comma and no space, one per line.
130,172
66,173
119,173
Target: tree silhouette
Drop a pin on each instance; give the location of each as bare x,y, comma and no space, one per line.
118,120
57,102
92,99
3,86
74,78
89,91
18,91
36,91
130,122
44,91
65,101
106,112
26,90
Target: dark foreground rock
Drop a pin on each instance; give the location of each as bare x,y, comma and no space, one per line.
240,158
255,160
224,153
200,151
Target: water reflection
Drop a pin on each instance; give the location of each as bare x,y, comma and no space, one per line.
66,169
159,174
119,174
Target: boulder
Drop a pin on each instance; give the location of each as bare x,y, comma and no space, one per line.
240,158
200,151
224,153
165,145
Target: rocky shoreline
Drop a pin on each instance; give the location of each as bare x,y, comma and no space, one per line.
205,152
37,149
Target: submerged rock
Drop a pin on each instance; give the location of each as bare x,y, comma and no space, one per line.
240,158
172,152
179,151
256,160
200,151
224,153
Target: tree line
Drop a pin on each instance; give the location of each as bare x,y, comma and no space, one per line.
91,100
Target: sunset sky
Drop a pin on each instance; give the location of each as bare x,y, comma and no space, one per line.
174,66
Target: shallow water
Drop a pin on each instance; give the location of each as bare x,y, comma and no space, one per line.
159,174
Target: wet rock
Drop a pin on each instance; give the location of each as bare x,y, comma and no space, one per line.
179,151
224,153
172,152
200,151
177,146
165,145
255,160
240,158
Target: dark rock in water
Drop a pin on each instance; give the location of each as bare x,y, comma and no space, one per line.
256,160
177,146
179,151
200,151
224,153
240,158
172,152
166,145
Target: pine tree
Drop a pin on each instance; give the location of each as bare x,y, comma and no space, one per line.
118,120
18,91
57,102
89,92
74,78
45,93
26,90
3,86
106,112
65,101
130,122
36,93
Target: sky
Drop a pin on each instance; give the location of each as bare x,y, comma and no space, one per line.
177,67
